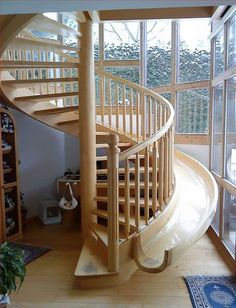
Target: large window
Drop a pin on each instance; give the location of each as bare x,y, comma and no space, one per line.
121,40
193,111
170,57
223,146
158,53
194,50
217,130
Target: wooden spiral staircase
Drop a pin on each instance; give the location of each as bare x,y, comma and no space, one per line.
136,202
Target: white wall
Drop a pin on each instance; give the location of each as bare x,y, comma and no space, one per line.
72,147
41,152
199,152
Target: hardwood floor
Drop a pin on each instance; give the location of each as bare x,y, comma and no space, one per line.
49,280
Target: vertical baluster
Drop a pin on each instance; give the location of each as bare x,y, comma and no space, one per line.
131,111
161,173
127,199
149,116
146,181
143,116
137,116
109,101
159,116
155,116
113,203
166,191
55,76
117,105
170,162
154,179
47,74
124,107
137,192
40,73
102,97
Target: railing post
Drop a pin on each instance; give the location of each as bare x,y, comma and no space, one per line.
113,203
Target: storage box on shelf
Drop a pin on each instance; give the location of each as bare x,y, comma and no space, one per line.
10,212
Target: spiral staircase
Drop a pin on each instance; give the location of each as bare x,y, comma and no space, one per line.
151,202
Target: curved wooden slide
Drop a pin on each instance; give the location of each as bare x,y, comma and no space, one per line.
195,204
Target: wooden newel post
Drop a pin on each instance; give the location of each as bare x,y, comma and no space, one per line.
113,203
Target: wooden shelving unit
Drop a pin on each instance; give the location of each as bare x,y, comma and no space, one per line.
10,211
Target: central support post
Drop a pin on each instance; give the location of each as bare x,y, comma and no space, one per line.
87,125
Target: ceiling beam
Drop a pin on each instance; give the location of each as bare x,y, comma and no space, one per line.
161,13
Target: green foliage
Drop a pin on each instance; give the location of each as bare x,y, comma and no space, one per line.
12,269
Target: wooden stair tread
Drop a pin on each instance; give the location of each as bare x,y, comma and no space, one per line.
45,24
132,184
45,96
27,82
104,158
120,145
91,263
56,110
122,170
102,233
122,200
72,121
28,44
11,64
104,214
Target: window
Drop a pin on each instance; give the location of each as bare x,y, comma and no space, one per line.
158,53
121,40
216,220
129,73
231,131
232,42
229,234
193,111
217,129
194,50
219,53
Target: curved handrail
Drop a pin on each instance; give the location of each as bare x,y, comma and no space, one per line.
157,135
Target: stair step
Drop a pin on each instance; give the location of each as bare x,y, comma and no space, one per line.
102,233
104,214
132,184
28,44
120,145
68,122
104,158
5,64
23,83
45,24
44,97
122,170
122,200
91,261
56,110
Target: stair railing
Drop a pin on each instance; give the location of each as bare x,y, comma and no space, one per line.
146,117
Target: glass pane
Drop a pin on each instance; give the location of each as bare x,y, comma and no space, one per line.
129,73
216,220
158,53
229,235
217,129
219,53
194,54
232,42
231,131
167,95
193,111
122,40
